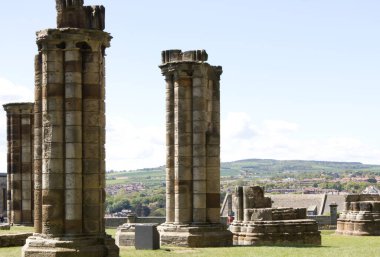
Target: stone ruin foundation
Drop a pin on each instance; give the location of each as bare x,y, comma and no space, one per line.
193,151
20,163
257,223
361,216
69,134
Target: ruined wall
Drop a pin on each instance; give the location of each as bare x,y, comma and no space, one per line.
72,14
256,223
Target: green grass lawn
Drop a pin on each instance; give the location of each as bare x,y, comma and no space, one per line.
332,245
17,229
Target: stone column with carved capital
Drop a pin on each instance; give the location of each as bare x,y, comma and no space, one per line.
70,136
193,151
20,163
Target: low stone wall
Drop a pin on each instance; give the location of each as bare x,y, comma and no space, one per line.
114,222
8,240
158,220
5,226
324,222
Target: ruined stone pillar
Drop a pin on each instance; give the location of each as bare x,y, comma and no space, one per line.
193,151
239,215
333,213
70,136
20,160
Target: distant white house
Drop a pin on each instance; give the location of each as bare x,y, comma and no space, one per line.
371,190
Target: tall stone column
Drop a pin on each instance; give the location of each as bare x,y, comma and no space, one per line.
70,136
20,162
193,151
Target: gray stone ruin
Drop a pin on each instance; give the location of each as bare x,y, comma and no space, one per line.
257,223
361,216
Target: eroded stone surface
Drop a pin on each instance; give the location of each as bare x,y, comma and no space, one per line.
73,14
9,240
69,246
361,216
208,235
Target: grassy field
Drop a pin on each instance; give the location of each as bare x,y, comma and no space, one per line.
332,245
17,229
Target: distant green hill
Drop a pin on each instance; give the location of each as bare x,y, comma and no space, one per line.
260,168
268,167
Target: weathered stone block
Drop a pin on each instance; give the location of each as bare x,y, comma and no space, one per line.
73,150
199,201
199,173
73,118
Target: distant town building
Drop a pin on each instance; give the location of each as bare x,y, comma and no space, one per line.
371,190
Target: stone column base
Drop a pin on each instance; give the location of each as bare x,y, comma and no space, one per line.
125,235
40,246
209,235
284,232
370,227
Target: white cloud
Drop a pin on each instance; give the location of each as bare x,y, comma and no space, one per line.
9,92
278,139
131,147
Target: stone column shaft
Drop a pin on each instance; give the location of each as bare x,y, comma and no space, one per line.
9,167
37,147
26,165
15,173
199,147
183,148
213,149
93,142
53,148
170,198
73,139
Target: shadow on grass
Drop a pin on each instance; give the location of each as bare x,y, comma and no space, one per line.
184,249
285,246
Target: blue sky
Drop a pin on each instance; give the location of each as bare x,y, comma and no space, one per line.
301,78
